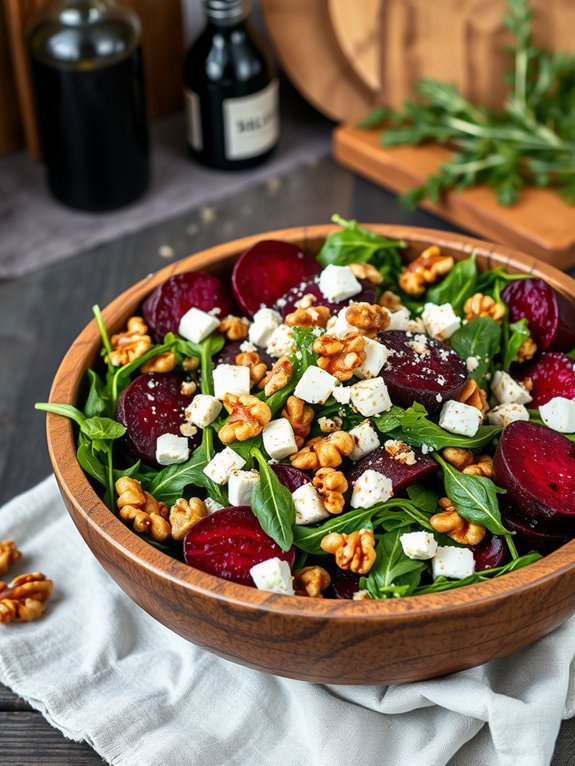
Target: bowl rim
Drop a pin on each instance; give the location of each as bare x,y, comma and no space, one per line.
76,487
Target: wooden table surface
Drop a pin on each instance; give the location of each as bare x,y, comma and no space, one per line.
42,313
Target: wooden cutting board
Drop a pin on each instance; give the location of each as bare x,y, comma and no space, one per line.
540,224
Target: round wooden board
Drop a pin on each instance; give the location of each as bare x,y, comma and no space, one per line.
316,53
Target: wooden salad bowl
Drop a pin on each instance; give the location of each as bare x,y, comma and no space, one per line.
328,641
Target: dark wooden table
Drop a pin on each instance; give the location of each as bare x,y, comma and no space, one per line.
42,313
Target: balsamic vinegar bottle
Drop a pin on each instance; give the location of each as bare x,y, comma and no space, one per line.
87,71
231,91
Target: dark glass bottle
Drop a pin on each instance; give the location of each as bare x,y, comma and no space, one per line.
87,70
231,91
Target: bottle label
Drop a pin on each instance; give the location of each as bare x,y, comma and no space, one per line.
251,123
194,120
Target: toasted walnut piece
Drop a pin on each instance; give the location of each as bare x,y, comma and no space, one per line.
480,305
457,457
190,363
321,452
450,523
300,416
252,360
234,328
390,301
366,271
361,595
144,512
278,377
482,466
425,270
184,514
369,318
314,316
329,425
340,356
400,451
162,363
248,416
9,554
527,351
304,303
474,396
331,485
130,344
188,388
23,599
311,581
354,552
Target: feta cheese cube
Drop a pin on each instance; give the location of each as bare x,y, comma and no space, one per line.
440,321
375,357
365,438
559,414
459,418
418,545
309,506
337,283
370,397
273,575
504,414
196,325
212,505
281,341
342,394
315,385
263,326
339,326
372,487
452,562
223,464
203,410
171,449
231,379
279,439
507,390
399,320
241,485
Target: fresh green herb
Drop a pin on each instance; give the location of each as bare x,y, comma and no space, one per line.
272,504
442,583
492,281
457,286
305,356
393,574
102,328
97,402
531,142
479,338
571,354
424,496
517,333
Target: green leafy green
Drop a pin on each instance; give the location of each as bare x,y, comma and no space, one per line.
272,504
97,402
457,286
393,574
424,496
442,583
479,338
517,335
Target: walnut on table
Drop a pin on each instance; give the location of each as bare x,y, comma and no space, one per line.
22,600
9,554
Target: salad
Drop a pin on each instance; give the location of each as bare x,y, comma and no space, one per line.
346,425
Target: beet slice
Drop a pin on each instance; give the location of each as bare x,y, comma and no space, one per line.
229,352
429,378
401,474
343,583
553,374
550,316
267,270
286,304
228,543
150,406
290,477
536,466
528,538
167,304
491,552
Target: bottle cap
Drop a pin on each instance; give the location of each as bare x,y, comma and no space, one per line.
226,11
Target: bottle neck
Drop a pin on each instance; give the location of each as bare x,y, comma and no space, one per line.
226,13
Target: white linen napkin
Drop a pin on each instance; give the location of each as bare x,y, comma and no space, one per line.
101,670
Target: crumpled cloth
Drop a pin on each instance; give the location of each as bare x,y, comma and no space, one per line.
101,670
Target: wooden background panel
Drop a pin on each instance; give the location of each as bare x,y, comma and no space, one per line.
10,124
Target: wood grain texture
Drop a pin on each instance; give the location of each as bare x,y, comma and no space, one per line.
327,641
540,223
10,123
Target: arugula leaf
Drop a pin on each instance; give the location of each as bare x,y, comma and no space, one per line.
272,504
475,497
90,462
519,332
393,574
457,287
571,354
97,402
442,583
305,356
97,428
66,410
480,338
424,496
492,281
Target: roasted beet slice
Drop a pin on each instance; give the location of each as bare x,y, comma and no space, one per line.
491,552
150,406
228,543
430,378
229,352
401,474
536,466
343,583
164,308
291,477
528,538
550,316
551,375
286,304
267,270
